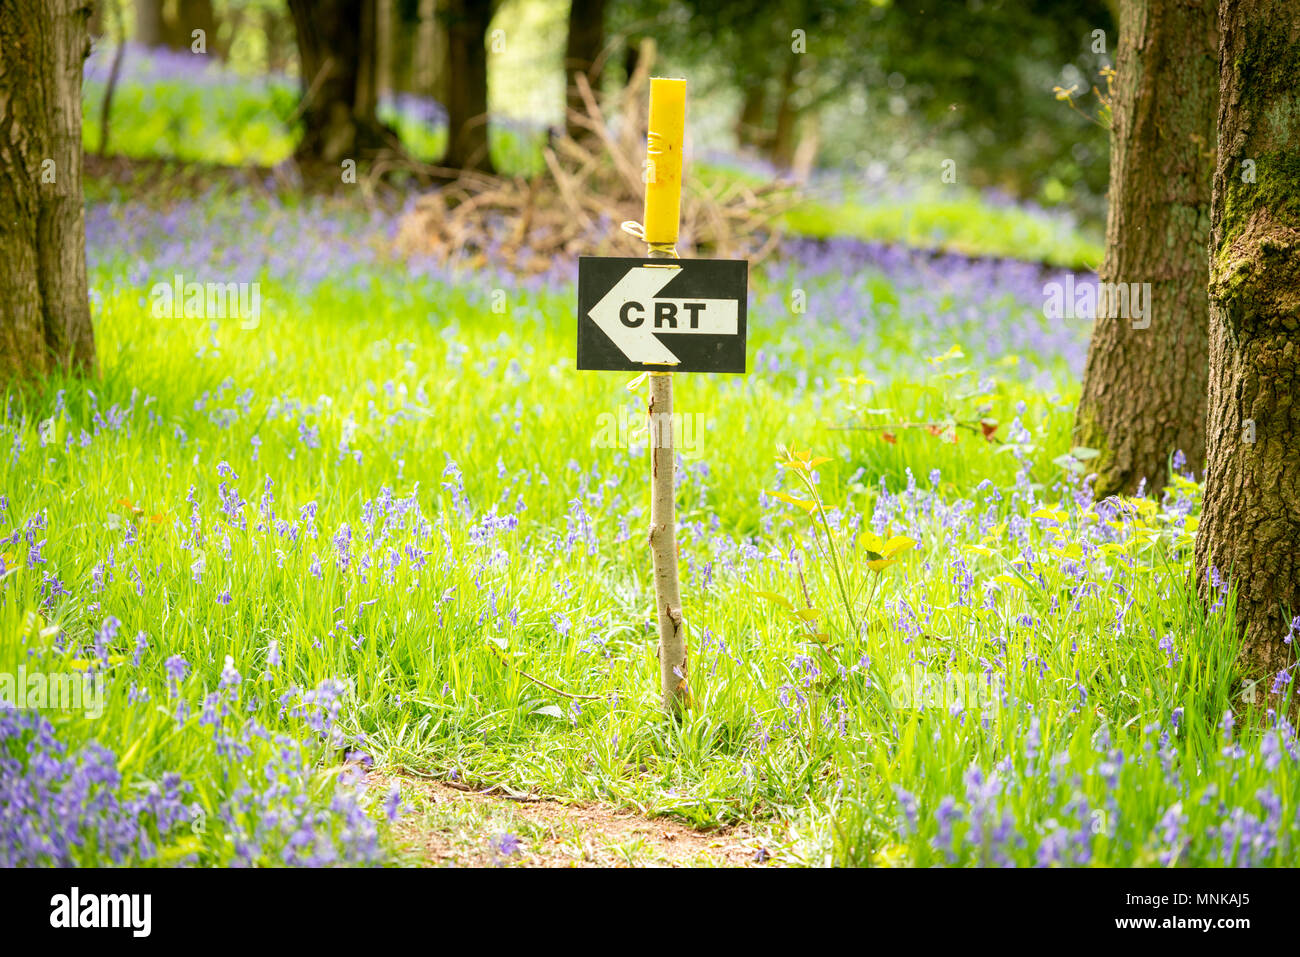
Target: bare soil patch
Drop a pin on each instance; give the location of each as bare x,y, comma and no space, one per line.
446,826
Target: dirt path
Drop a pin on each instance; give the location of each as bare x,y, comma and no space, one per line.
444,826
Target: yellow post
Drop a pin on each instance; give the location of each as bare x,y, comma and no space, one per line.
663,188
663,198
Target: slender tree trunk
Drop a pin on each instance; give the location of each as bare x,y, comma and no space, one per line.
631,56
584,54
190,15
338,80
275,28
1250,526
44,306
384,17
674,675
749,125
782,145
805,154
1145,384
366,102
149,23
427,55
467,84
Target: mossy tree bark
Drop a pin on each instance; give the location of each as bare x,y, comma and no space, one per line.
44,308
1250,526
1144,386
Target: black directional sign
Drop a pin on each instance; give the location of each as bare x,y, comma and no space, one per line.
683,315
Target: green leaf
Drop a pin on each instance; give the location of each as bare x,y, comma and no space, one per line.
775,598
803,503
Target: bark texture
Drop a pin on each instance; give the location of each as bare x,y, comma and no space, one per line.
673,675
44,308
336,54
467,84
1250,526
1144,387
584,53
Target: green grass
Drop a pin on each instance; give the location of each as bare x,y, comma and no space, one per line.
503,547
963,224
948,218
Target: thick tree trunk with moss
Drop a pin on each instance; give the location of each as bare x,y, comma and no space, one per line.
467,84
337,66
44,309
1144,386
1250,527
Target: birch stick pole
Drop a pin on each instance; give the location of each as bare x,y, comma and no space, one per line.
667,130
673,684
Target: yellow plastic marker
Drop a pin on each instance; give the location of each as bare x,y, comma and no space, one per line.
663,188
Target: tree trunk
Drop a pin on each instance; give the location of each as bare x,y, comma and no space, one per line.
805,154
631,56
1250,526
1145,384
44,306
467,90
149,23
275,28
584,54
338,80
749,125
384,17
782,145
190,15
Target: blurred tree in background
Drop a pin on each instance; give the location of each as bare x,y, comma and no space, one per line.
891,87
584,53
967,79
467,23
337,71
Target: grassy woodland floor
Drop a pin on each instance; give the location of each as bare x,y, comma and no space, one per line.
387,536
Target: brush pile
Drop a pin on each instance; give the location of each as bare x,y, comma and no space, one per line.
590,186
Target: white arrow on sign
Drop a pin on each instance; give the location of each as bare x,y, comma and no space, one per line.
630,315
